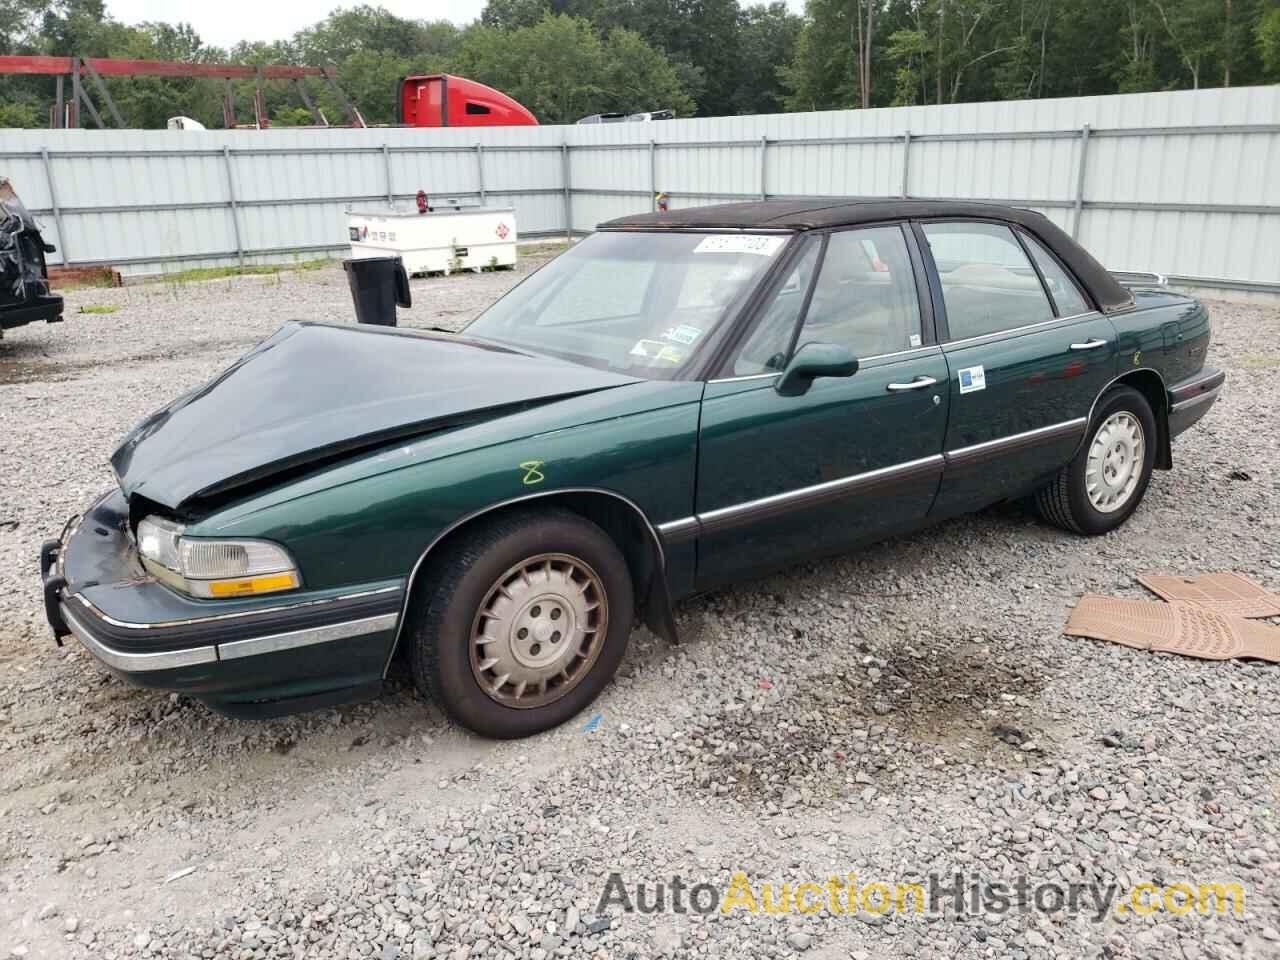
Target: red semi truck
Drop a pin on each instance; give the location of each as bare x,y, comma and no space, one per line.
443,100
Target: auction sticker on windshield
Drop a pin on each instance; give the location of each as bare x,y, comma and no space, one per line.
682,334
740,243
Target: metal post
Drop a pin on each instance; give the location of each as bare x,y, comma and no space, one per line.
73,118
906,163
260,101
316,116
59,116
1080,172
83,95
480,170
228,104
764,148
235,207
386,166
568,200
106,94
653,177
354,116
53,202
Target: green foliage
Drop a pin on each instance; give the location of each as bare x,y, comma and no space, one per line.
1268,35
931,51
562,70
565,59
20,115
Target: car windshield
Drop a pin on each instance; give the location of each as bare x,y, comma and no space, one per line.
641,303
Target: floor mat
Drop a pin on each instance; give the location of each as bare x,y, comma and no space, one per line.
1175,627
1227,593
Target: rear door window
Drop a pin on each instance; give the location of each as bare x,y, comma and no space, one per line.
988,284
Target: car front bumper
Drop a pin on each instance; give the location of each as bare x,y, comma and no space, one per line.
46,307
257,657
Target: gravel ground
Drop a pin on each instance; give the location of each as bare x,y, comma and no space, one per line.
909,711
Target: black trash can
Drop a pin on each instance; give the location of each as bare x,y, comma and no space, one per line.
378,284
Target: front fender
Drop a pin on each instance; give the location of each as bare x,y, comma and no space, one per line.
378,526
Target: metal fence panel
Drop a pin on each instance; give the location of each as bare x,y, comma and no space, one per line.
1181,182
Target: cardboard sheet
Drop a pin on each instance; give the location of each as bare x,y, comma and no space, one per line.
1178,626
1227,593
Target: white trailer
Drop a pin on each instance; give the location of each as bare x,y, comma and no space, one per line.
441,241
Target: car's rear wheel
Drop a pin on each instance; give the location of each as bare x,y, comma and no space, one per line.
1103,485
523,623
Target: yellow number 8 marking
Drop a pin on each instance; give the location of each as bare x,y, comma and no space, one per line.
532,474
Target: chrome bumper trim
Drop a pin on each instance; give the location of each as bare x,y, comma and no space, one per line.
256,646
221,617
1191,403
134,662
137,662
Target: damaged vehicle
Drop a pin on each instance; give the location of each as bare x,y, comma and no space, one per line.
24,277
680,401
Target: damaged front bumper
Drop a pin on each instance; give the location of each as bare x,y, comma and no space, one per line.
24,284
256,657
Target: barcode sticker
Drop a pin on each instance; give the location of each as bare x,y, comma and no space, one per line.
740,243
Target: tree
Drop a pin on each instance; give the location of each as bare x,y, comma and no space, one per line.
562,70
865,34
909,49
513,14
1190,25
767,37
1268,37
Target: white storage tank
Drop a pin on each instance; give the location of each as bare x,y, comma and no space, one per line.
439,241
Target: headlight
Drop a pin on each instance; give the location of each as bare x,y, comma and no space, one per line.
207,567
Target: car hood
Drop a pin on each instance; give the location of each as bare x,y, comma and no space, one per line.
314,392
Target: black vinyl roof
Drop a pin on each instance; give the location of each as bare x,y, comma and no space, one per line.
817,214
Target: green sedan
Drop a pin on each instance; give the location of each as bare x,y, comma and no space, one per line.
682,400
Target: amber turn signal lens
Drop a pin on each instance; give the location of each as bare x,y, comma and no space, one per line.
252,585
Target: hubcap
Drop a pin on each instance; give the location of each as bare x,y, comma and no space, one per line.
1116,458
539,630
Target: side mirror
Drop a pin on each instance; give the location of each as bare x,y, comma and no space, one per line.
816,360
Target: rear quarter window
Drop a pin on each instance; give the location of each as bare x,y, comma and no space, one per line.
1066,294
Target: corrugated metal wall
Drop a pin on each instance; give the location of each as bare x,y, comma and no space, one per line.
1184,183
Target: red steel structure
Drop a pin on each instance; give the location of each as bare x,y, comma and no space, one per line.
66,112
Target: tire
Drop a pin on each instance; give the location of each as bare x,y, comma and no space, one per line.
1067,502
518,572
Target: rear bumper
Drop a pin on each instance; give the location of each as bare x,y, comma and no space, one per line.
1191,399
228,653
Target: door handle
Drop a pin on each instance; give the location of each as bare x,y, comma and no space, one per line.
1089,344
919,383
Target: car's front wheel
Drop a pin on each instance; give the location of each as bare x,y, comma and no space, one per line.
1103,485
524,622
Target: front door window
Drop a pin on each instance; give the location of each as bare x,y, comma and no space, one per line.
866,295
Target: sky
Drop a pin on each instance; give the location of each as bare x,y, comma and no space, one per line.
226,22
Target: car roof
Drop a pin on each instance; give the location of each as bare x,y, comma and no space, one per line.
811,214
821,213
